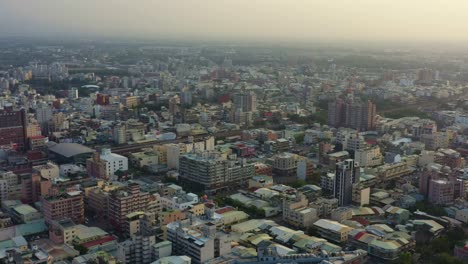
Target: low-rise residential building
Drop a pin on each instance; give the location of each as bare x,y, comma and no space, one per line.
332,230
297,213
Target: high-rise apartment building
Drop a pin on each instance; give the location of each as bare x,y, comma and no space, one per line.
13,125
425,76
43,115
336,112
347,174
354,114
124,202
246,101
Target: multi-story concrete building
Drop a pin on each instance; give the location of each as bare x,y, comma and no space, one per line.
130,101
199,241
10,186
43,115
246,102
180,200
324,206
96,167
73,93
285,168
59,122
209,170
332,230
114,162
162,249
66,205
33,130
106,164
353,114
435,140
297,212
47,171
124,202
368,157
62,231
448,157
119,134
443,191
137,250
13,125
174,151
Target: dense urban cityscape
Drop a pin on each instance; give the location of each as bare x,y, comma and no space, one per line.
133,151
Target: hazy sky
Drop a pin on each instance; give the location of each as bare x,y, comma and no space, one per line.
296,20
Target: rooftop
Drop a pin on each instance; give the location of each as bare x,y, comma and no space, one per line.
25,209
332,225
69,150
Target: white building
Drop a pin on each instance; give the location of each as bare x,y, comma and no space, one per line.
368,157
43,114
114,162
181,201
73,93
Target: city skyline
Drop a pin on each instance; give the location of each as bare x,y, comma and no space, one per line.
280,21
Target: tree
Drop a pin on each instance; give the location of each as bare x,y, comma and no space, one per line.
82,249
298,184
440,245
446,258
299,138
404,258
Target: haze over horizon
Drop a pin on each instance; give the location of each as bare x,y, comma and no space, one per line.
293,20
